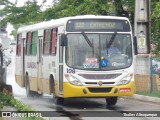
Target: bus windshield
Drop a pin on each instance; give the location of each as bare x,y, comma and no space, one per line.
103,55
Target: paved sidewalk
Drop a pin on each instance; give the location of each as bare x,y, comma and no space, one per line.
146,98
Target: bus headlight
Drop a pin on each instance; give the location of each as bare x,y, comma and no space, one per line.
73,80
125,80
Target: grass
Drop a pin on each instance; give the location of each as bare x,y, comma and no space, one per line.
8,100
152,94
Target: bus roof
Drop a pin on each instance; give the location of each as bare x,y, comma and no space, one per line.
62,21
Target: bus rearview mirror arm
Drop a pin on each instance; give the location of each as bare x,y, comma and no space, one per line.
135,45
63,40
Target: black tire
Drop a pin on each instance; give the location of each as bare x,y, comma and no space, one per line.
1,85
111,101
29,93
51,82
4,75
58,100
52,86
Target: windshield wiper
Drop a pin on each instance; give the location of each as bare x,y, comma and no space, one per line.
111,40
87,39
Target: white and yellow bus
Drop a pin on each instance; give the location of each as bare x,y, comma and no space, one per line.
70,58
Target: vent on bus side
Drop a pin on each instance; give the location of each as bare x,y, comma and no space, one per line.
99,76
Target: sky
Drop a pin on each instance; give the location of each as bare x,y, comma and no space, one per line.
21,3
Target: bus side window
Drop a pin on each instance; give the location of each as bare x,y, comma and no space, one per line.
34,43
28,43
47,42
54,41
19,40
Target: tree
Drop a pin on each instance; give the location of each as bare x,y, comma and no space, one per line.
72,7
155,29
27,14
30,12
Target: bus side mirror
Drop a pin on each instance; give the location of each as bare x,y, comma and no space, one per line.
135,45
63,40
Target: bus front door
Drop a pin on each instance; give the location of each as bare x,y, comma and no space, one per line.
60,67
21,58
39,65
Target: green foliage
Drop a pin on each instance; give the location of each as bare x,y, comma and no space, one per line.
1,106
6,100
29,13
4,2
155,29
66,8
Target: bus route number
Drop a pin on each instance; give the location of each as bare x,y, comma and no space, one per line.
69,70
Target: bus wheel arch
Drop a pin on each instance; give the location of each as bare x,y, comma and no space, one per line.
57,100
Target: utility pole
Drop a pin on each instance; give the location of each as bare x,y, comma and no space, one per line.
142,25
142,33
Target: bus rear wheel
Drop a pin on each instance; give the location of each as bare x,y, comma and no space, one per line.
28,91
111,101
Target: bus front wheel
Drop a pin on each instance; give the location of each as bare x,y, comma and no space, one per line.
58,100
111,101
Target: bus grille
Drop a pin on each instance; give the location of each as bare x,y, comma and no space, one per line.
99,90
99,76
96,83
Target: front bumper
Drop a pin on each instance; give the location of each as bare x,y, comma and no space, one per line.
70,90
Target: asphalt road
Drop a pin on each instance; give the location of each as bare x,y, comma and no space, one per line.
82,108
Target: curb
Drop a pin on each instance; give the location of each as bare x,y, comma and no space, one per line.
145,98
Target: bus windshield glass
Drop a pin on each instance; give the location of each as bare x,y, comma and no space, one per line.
98,25
94,51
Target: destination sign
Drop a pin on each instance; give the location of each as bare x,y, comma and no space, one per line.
98,25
